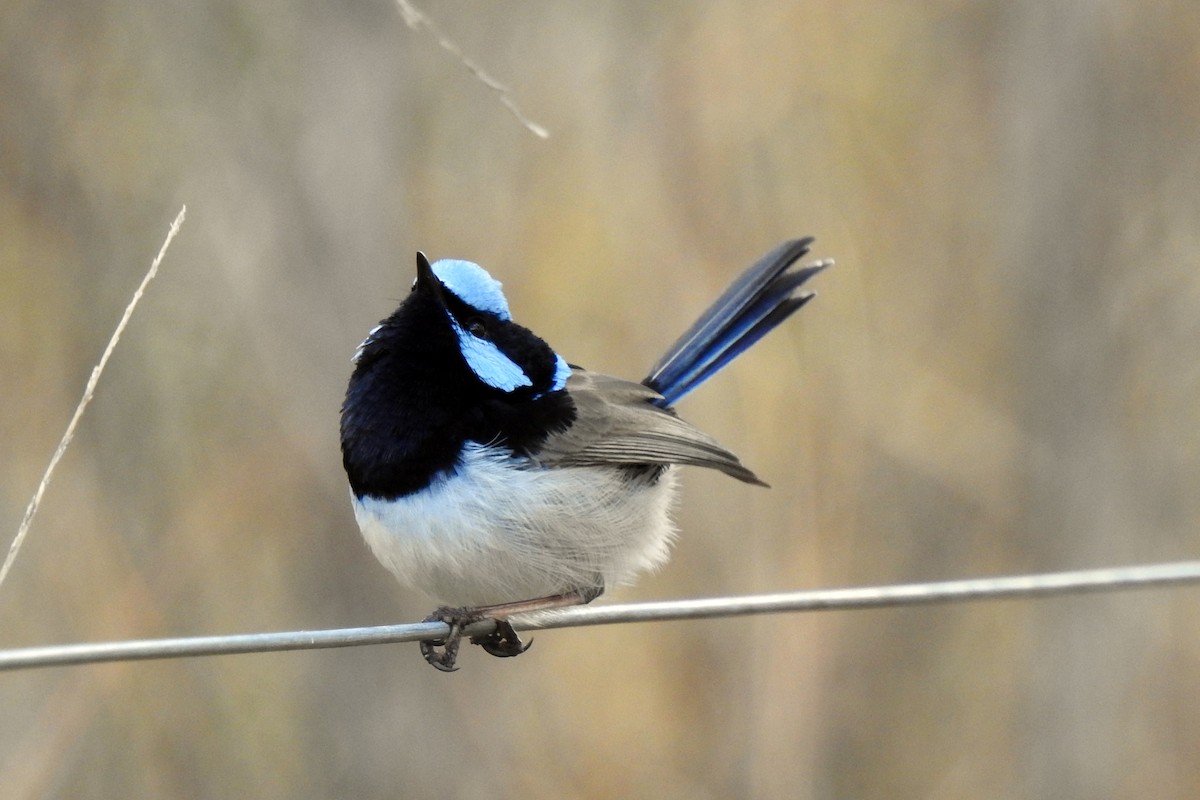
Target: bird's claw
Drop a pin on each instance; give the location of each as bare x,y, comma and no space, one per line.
443,660
503,642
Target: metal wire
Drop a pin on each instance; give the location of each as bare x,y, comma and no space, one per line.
1017,586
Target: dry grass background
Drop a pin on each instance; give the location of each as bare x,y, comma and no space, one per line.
1000,375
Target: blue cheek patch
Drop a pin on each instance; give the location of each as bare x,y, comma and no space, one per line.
474,286
489,364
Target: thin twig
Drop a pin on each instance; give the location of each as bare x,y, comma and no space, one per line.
1019,586
88,391
415,19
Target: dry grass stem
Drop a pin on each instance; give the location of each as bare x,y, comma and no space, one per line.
88,391
415,19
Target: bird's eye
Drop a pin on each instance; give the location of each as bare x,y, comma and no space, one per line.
477,328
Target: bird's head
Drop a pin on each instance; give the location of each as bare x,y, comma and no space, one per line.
457,315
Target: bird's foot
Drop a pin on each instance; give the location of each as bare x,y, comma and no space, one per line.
502,642
442,653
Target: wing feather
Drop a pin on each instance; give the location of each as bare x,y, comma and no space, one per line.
618,423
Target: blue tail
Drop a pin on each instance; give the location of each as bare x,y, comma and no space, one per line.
761,298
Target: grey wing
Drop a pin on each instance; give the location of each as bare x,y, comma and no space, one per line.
618,423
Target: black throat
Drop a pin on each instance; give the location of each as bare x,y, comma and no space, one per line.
412,405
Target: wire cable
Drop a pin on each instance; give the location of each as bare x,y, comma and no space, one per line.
911,594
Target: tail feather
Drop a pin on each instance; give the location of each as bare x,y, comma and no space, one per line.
754,304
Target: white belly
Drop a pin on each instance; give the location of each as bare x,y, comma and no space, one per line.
495,533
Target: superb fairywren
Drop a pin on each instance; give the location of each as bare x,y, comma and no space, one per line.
496,477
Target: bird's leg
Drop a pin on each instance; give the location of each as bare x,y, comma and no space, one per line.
503,641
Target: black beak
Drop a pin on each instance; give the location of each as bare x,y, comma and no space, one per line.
427,281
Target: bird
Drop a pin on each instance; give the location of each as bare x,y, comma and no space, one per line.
493,475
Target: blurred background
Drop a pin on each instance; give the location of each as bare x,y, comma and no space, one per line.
1000,376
